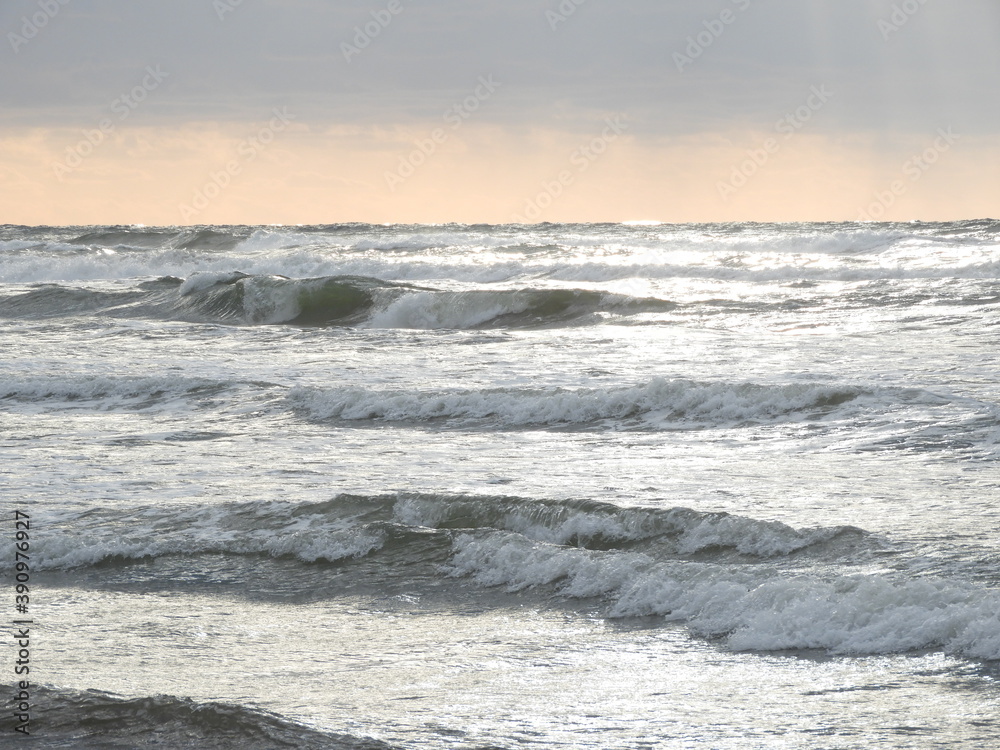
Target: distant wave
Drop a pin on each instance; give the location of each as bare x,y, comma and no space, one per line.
110,393
131,238
891,418
661,402
27,268
752,252
838,416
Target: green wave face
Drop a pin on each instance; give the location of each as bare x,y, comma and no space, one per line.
332,301
223,302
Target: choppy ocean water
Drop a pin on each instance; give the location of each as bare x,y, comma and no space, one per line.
582,486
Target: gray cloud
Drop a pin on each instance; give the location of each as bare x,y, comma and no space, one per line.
941,66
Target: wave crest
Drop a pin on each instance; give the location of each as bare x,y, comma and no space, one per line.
352,526
661,403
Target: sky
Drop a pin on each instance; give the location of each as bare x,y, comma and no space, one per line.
174,112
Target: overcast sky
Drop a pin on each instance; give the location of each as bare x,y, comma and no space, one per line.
295,111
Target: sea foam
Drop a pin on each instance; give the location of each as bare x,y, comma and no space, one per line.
751,608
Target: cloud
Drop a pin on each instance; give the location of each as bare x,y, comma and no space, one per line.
605,56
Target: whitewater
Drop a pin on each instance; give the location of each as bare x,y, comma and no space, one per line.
469,486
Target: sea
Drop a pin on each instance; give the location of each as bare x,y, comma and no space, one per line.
632,485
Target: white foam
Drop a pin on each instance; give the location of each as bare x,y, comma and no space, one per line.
436,310
751,608
750,537
202,280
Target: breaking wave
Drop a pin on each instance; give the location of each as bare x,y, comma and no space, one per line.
726,577
751,609
237,298
354,526
660,403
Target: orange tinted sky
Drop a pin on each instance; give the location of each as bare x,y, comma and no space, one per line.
280,112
